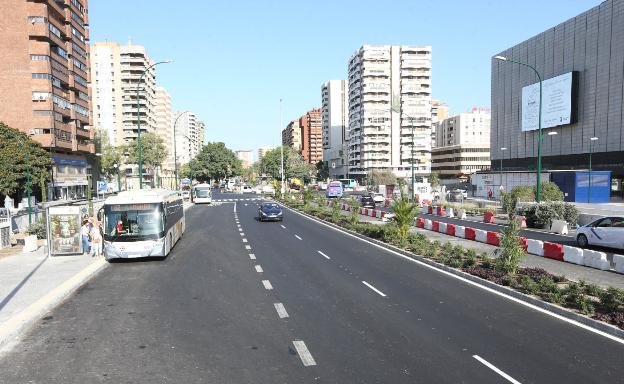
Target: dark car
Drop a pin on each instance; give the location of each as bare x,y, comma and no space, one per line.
367,202
270,211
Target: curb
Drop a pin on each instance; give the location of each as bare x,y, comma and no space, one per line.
19,324
548,307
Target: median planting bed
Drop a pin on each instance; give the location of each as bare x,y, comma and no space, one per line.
605,305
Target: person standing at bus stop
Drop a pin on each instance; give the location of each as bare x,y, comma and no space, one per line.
84,232
96,239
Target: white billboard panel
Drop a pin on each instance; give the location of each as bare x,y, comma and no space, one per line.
556,103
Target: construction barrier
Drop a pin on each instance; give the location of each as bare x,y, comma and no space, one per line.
488,217
435,226
450,213
428,224
559,226
420,222
573,255
424,209
596,259
440,211
450,229
430,209
481,235
553,251
619,263
469,234
461,214
493,238
442,228
460,231
535,247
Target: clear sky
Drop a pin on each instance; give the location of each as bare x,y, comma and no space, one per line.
234,60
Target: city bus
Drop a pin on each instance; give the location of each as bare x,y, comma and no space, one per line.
334,189
142,223
201,193
348,184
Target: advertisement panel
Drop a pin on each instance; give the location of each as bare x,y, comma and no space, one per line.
64,231
558,102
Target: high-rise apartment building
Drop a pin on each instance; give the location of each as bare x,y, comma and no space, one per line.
462,145
44,75
262,151
311,136
116,72
439,112
291,135
335,122
246,157
164,129
390,110
189,136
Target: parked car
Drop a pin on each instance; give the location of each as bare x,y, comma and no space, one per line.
246,189
379,198
270,211
268,190
367,202
605,232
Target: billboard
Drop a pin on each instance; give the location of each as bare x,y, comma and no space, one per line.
64,230
559,96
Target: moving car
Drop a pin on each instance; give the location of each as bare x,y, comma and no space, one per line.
367,202
246,189
268,190
379,198
605,232
270,211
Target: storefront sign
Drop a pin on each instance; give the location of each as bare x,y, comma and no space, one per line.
64,231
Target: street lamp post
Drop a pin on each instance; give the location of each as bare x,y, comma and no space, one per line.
282,188
175,155
591,148
539,125
503,149
116,166
27,158
138,108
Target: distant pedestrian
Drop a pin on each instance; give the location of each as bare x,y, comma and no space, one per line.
96,239
84,232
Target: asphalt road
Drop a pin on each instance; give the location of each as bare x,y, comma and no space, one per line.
338,310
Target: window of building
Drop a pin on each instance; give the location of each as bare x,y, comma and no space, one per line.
42,112
59,51
41,76
39,57
37,19
55,31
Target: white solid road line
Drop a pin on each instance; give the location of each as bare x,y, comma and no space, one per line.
281,311
247,246
374,289
267,284
252,256
470,282
304,354
324,255
259,269
493,368
297,236
234,208
282,226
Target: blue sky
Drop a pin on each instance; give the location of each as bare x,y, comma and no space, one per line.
235,60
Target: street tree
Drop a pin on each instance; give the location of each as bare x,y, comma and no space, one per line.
216,161
153,151
382,177
14,145
271,162
296,167
322,170
111,155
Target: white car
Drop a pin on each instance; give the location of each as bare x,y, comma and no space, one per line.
604,232
378,197
268,190
246,189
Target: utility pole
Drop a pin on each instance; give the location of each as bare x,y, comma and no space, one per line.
283,188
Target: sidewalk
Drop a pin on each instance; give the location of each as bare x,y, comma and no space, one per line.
32,284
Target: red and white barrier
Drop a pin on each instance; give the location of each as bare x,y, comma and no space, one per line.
596,259
481,236
428,224
535,247
493,238
573,255
619,263
460,231
442,228
553,251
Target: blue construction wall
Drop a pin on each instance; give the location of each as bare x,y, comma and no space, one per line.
575,185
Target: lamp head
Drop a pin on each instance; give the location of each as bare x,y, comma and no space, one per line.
593,138
553,133
503,148
501,58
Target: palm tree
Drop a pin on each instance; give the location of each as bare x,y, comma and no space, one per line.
404,213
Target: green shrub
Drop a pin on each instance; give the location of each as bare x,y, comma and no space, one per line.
570,213
38,228
510,250
404,213
308,195
543,214
575,297
550,192
527,285
611,299
523,193
353,204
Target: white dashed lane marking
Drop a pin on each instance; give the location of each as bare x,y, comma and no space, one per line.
247,246
282,226
267,284
304,353
493,368
242,233
259,269
252,256
374,289
324,255
281,311
244,240
297,236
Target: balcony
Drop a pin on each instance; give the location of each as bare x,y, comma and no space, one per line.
416,63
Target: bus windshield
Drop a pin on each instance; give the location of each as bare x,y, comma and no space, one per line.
202,192
133,222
